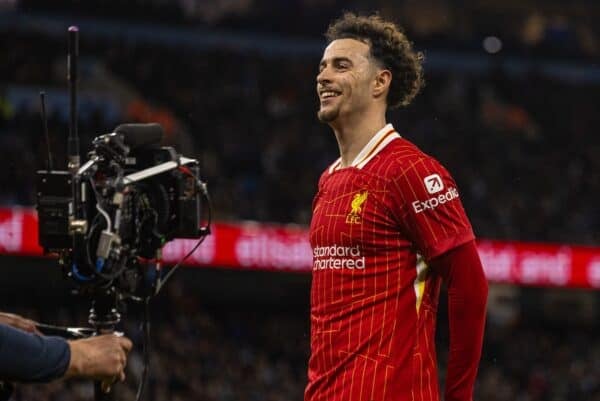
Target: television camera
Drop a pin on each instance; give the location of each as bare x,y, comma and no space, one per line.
108,218
119,208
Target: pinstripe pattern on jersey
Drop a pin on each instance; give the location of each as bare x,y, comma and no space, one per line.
372,329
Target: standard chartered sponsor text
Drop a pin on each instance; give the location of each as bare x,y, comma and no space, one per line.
338,257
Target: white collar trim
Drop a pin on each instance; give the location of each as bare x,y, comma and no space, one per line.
379,141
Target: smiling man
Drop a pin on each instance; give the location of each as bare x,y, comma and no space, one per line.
388,226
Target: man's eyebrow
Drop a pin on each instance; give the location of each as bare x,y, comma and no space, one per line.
335,60
338,59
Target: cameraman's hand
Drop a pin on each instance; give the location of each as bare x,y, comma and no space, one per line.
18,322
100,358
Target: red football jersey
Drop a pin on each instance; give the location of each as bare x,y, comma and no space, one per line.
373,301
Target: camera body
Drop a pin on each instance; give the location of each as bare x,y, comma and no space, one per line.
120,207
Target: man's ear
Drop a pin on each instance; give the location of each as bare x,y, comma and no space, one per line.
383,79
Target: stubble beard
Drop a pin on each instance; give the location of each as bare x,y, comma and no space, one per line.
327,116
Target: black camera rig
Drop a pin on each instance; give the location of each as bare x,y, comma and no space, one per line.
108,219
121,206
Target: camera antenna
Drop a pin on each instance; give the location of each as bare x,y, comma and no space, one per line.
73,141
45,125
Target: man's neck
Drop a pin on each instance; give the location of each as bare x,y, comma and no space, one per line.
353,136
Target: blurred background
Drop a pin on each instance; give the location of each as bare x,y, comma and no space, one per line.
511,107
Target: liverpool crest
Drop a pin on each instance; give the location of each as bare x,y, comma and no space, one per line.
354,217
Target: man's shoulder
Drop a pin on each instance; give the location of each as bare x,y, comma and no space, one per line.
402,156
397,158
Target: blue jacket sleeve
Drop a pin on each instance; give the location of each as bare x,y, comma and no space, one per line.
26,357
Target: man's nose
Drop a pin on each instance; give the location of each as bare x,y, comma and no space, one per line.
323,76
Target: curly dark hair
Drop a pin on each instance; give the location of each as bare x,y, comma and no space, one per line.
390,47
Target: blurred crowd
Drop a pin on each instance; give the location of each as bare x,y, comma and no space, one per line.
535,363
522,148
525,27
251,352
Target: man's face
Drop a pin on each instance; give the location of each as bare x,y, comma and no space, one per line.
344,80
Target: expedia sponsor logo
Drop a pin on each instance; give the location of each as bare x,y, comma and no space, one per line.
433,183
338,257
431,203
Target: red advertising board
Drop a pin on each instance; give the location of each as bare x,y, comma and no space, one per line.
250,245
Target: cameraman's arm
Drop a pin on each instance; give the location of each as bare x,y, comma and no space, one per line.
26,357
18,322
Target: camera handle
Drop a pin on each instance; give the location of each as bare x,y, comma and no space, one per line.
104,317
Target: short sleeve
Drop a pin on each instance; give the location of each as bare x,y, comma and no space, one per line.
428,207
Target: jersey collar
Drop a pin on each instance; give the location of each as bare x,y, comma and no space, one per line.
379,141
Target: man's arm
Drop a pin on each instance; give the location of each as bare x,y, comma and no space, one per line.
430,213
30,357
19,322
26,357
463,274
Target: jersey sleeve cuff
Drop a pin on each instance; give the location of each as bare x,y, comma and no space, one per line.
446,244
